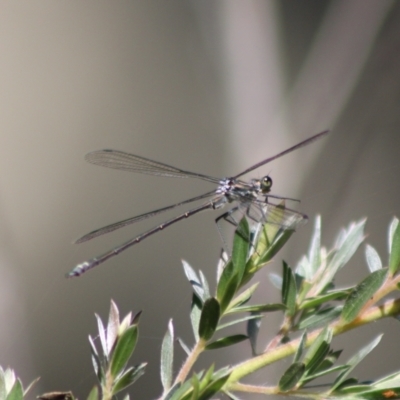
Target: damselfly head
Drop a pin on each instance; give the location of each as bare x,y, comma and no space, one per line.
265,184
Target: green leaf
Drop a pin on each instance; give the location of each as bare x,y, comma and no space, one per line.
312,302
16,392
322,373
209,318
289,290
225,279
130,376
319,318
194,280
261,308
196,387
93,394
394,259
354,361
300,349
226,341
112,326
318,349
243,297
96,361
279,241
123,350
205,285
102,335
361,294
291,377
229,293
241,243
314,251
167,357
392,229
176,391
213,387
207,378
373,260
195,313
346,245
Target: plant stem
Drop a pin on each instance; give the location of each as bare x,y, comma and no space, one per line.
388,309
187,366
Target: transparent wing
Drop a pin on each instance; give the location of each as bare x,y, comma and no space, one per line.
276,214
129,162
129,221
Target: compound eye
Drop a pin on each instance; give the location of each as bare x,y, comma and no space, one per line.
266,184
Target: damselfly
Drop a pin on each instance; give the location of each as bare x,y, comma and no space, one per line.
251,197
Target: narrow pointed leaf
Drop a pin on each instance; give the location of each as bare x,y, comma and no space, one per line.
112,325
354,361
315,250
93,394
17,392
175,392
322,373
392,230
196,387
318,349
320,318
125,324
361,294
229,293
226,341
291,377
136,318
300,349
195,313
206,287
289,290
279,241
324,298
123,350
96,361
209,318
237,321
194,280
213,387
373,260
346,245
130,376
167,357
394,259
241,243
224,278
261,308
184,347
102,335
243,297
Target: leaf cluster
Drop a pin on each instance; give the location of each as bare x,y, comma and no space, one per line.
313,312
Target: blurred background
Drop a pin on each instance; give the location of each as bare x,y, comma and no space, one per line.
208,86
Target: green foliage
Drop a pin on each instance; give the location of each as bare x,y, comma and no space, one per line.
313,312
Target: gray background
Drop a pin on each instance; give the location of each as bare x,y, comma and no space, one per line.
206,86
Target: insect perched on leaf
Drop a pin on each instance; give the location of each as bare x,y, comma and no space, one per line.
250,196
